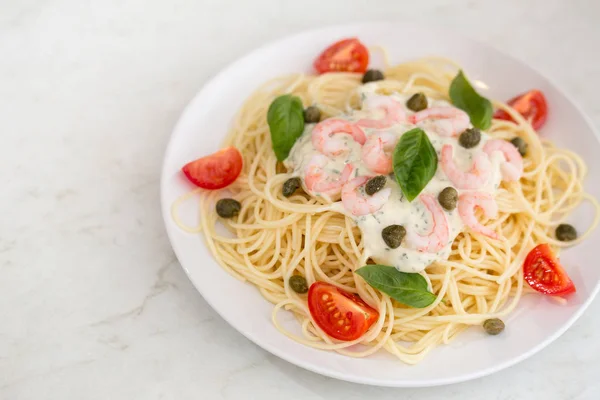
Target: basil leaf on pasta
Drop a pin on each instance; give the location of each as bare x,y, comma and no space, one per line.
414,162
467,99
409,289
286,123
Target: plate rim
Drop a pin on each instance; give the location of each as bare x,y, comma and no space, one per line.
166,214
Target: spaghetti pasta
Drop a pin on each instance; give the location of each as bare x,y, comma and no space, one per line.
274,237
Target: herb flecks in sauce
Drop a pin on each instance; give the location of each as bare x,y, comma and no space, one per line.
398,210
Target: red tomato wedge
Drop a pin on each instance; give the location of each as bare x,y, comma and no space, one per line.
215,171
347,55
544,273
531,105
341,315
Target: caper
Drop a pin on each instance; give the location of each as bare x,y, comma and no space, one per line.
227,208
298,284
374,185
493,326
417,102
312,115
448,198
290,186
566,233
470,138
520,144
372,75
392,235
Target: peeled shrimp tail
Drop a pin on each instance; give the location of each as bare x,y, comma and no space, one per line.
376,152
475,178
323,140
318,181
394,112
446,121
439,235
360,204
512,167
467,202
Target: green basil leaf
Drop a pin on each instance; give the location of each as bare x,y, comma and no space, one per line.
286,123
414,161
467,99
409,289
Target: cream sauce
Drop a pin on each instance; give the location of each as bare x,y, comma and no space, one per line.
397,210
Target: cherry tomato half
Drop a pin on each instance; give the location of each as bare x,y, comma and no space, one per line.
347,55
341,315
544,273
216,170
531,105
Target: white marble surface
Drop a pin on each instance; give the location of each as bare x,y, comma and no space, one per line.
93,303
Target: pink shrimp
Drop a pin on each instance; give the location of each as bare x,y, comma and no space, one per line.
394,113
322,134
512,168
474,178
318,181
445,121
376,152
466,209
439,235
360,204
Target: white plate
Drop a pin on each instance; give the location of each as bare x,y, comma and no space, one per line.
203,125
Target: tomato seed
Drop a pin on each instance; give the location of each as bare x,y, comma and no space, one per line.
538,274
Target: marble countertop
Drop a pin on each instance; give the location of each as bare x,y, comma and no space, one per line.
93,303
